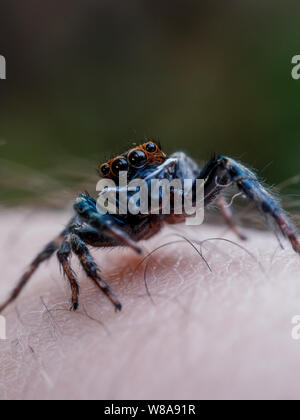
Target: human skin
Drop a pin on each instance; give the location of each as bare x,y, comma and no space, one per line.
224,333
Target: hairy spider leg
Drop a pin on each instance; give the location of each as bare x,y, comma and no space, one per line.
228,216
222,171
86,208
47,253
63,255
91,268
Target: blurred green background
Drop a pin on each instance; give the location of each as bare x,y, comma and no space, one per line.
86,78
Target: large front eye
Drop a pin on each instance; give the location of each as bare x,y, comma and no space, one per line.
151,147
119,164
137,158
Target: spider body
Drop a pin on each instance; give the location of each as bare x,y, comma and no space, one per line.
89,227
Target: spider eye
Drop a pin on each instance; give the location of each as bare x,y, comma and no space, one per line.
151,147
119,164
105,169
137,158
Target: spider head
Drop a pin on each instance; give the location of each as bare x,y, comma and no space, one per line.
139,162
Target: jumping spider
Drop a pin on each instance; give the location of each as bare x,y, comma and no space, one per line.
90,228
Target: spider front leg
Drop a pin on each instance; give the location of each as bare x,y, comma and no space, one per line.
222,171
63,255
106,224
90,267
75,242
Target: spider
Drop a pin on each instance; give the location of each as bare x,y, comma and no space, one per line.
89,227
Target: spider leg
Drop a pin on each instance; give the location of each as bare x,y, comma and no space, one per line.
107,224
90,267
222,171
63,255
46,253
228,216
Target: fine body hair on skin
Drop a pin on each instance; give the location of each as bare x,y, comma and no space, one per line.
209,321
